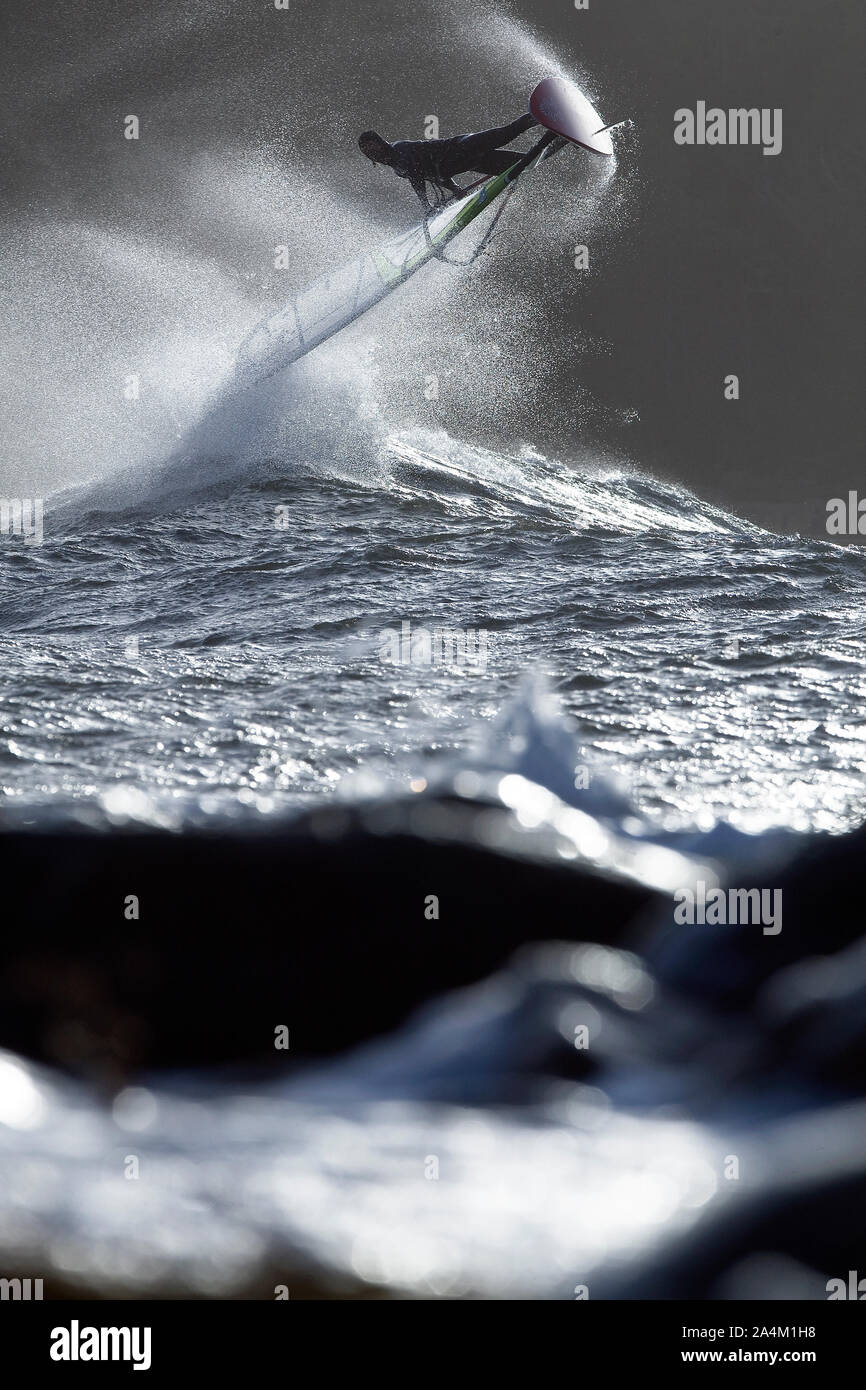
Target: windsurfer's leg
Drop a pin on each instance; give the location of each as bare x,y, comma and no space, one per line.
466,150
496,162
506,133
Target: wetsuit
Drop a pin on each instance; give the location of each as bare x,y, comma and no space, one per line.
437,161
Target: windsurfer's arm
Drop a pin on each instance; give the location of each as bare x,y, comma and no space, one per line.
419,162
446,184
419,183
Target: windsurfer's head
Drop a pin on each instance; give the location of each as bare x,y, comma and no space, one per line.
375,148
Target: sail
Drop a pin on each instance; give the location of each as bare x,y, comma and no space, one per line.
337,299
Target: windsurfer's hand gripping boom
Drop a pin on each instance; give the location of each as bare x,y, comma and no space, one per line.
437,161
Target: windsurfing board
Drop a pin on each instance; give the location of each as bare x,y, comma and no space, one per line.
563,108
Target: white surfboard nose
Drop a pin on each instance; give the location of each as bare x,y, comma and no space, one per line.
563,108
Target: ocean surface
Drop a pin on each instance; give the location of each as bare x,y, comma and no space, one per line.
189,644
199,645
